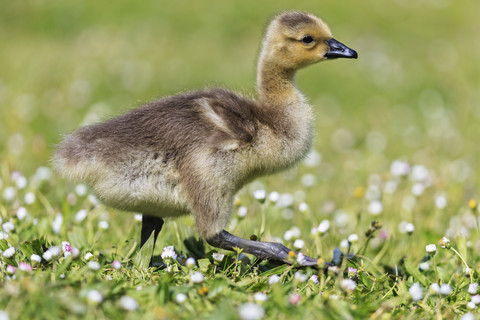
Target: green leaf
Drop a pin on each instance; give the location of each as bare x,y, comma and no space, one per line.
401,288
277,270
33,246
203,264
38,245
144,255
62,268
246,282
367,282
27,249
163,293
3,245
415,273
77,237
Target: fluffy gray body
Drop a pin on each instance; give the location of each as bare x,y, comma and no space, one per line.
186,153
191,153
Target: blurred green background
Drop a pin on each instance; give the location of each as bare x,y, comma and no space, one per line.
413,94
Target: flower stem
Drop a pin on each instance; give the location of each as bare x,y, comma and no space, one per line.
262,227
435,268
465,263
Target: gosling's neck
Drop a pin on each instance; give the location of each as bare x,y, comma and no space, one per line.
280,98
276,86
291,120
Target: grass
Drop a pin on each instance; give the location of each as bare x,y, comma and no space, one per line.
396,143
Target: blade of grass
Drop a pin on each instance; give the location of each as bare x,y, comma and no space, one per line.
144,255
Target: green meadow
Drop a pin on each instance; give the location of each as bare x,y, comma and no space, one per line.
394,169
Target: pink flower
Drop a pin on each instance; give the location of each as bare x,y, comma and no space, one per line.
66,246
352,272
169,254
295,298
314,279
116,264
74,252
23,266
383,234
11,269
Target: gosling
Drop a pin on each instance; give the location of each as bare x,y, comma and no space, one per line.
192,152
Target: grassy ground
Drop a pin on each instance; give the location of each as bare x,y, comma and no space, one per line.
396,143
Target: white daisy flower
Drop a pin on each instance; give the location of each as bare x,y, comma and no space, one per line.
375,207
8,227
416,292
128,303
434,288
9,252
273,279
300,277
260,297
431,249
190,262
217,256
29,198
9,193
21,213
242,211
260,195
21,182
35,258
445,289
93,265
102,224
473,288
180,298
440,201
57,223
251,311
273,196
81,215
348,285
399,168
303,207
299,243
197,277
323,226
353,238
94,297
424,266
409,228
81,190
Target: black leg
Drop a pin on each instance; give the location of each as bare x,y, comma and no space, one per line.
262,250
149,224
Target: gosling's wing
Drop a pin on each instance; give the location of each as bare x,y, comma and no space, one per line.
195,118
170,128
232,119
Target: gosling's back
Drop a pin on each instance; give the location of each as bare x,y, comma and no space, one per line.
143,161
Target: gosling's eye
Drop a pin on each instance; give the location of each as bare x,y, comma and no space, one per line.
307,39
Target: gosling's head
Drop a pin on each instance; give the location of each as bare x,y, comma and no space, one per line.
297,39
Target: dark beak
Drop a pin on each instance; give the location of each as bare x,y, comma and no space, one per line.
339,50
